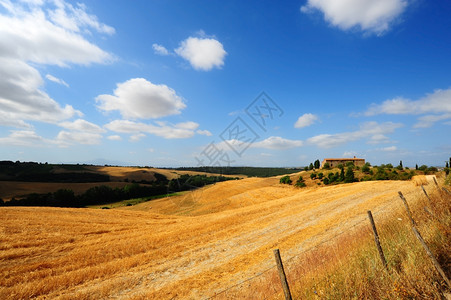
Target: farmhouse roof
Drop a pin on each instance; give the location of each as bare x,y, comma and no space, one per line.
344,158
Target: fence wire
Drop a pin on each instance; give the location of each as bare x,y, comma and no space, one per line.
266,283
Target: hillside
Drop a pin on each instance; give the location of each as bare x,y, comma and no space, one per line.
19,179
191,246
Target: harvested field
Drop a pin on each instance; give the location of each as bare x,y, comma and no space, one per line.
187,247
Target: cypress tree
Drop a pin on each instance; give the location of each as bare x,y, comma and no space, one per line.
349,177
342,174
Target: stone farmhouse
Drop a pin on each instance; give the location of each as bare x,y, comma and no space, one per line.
333,162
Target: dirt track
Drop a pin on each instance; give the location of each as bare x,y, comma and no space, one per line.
185,247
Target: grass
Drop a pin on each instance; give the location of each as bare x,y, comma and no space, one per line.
350,268
132,202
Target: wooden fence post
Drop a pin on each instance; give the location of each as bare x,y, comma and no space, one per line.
407,208
427,196
431,256
449,193
376,239
435,181
283,278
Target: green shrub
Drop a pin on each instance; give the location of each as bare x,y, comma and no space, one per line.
286,180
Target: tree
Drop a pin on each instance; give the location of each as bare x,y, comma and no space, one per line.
416,166
326,166
286,180
400,163
447,169
342,174
305,168
349,177
366,168
300,182
317,164
423,168
313,176
310,167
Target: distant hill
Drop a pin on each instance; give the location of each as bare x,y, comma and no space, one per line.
248,171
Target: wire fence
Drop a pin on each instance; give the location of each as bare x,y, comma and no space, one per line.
265,284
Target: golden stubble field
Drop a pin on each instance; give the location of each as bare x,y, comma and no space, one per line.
186,247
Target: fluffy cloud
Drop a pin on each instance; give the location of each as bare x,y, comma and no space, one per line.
305,120
437,106
272,143
202,53
82,125
81,132
66,138
372,131
389,149
162,129
38,35
429,120
56,80
277,143
160,50
114,138
21,97
137,137
369,15
43,33
138,98
204,132
27,138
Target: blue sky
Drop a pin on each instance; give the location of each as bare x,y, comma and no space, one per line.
258,83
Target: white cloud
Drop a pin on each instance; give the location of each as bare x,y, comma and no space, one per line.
389,149
10,119
162,129
56,80
33,36
21,97
30,34
374,16
277,143
429,120
272,143
82,125
75,18
138,98
305,120
66,138
438,103
160,50
350,154
27,138
372,131
202,53
114,138
204,132
137,137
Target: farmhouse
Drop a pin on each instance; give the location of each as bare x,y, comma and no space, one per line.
333,162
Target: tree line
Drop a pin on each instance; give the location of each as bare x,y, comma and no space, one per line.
103,194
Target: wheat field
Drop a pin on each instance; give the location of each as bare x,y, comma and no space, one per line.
185,247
